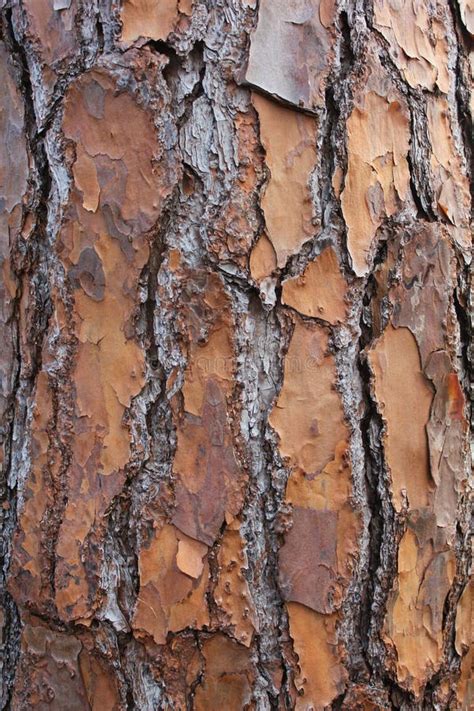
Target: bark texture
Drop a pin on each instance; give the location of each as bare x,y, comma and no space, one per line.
234,366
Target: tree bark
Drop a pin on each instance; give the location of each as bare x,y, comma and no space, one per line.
235,355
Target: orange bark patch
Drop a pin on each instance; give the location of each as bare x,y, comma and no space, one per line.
262,259
417,41
169,598
53,33
227,676
56,671
308,559
148,18
465,646
447,431
321,676
308,414
404,399
316,558
422,302
320,290
189,557
377,179
414,625
422,296
209,478
289,139
208,474
309,419
232,593
291,50
450,181
100,686
324,502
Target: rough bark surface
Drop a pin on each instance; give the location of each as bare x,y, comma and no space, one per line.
234,366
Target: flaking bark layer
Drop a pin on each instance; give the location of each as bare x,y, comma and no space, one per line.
234,364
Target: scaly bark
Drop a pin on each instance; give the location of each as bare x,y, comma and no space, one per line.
235,364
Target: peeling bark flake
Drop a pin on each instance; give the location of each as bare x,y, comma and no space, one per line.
289,140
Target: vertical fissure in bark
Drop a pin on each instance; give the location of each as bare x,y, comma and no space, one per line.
463,80
420,149
263,506
99,27
155,443
371,429
451,663
264,510
29,257
384,530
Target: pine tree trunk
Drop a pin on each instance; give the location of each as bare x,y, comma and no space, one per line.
234,361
